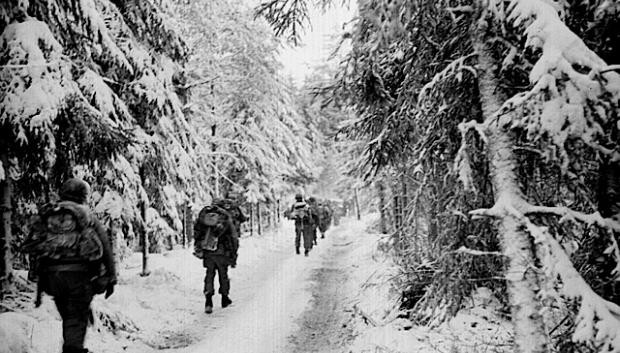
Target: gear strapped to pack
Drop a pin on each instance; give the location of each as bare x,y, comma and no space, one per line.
63,232
211,225
300,211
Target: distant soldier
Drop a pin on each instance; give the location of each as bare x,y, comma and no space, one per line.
73,258
300,212
325,217
314,218
216,243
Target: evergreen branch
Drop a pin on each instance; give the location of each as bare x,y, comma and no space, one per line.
568,214
198,83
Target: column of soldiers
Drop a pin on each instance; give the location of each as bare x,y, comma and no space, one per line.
72,258
309,216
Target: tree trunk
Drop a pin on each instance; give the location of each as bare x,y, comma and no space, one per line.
113,230
216,183
357,204
189,224
251,219
259,219
6,267
145,242
396,207
522,280
184,225
269,216
404,201
383,221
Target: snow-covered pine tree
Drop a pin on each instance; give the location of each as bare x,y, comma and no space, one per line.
240,104
545,114
91,92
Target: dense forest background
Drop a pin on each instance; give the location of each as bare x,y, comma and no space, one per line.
160,106
484,132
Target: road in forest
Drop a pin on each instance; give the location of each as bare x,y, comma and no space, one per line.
284,303
324,325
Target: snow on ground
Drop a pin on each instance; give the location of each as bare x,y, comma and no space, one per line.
164,310
339,299
379,327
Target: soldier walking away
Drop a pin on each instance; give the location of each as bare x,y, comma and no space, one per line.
216,243
72,259
314,218
301,214
325,217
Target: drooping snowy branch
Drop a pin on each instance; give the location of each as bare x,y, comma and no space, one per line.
35,91
598,320
455,68
564,102
567,214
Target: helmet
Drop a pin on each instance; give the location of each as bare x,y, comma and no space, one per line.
299,197
75,190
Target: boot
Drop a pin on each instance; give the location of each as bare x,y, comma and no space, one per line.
306,252
226,301
209,304
297,251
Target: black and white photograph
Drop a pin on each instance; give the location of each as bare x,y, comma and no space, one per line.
309,176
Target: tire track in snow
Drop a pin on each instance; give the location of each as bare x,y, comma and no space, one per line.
324,325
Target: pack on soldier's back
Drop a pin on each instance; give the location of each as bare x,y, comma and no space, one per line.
72,259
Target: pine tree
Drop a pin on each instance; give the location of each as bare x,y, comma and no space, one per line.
543,108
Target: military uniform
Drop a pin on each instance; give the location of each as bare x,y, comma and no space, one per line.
218,260
313,224
325,218
70,282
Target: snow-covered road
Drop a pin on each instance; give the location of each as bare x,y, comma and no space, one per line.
272,295
269,292
339,299
282,302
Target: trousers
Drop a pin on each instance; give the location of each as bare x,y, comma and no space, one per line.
216,263
72,292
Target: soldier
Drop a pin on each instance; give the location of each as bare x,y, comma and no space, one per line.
71,271
325,217
300,213
216,243
314,218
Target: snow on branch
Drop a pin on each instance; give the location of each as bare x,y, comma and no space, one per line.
102,97
462,163
564,102
465,250
568,214
455,68
36,90
598,320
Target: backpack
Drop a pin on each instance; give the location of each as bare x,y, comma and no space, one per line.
325,212
211,225
64,231
300,211
230,207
